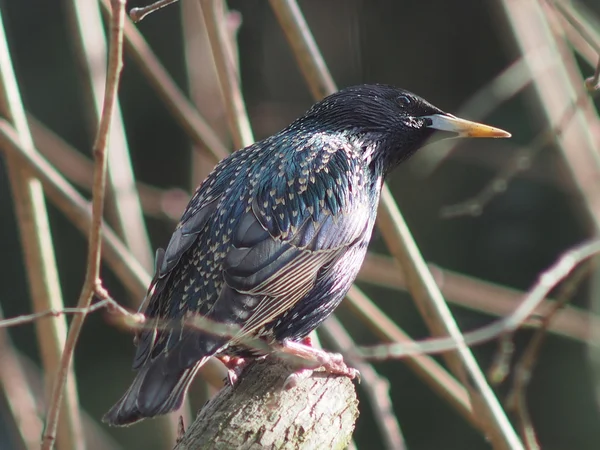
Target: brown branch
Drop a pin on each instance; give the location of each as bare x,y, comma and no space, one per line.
218,34
78,169
556,89
92,282
480,295
536,295
30,318
138,14
204,85
425,367
319,412
524,368
78,210
305,49
38,250
123,201
192,122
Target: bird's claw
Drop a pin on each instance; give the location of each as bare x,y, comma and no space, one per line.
332,363
234,366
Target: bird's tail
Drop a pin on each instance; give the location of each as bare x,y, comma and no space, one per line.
156,390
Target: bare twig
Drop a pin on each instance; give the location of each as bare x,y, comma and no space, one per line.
30,318
556,89
77,168
519,163
133,276
376,387
124,202
479,295
218,34
536,295
524,368
306,51
425,367
126,267
504,86
37,248
193,124
92,282
205,89
138,14
592,84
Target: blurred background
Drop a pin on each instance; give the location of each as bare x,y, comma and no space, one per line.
447,52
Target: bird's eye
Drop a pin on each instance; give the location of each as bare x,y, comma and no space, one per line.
403,100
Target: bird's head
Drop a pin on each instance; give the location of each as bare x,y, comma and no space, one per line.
391,123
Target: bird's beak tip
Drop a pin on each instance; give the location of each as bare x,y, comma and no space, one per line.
465,128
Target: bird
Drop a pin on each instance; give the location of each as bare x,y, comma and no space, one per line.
274,237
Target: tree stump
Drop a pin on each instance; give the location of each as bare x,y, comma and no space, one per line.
256,413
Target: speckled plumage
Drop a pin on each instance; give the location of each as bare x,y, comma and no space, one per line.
273,238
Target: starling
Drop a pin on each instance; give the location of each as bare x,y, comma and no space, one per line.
274,237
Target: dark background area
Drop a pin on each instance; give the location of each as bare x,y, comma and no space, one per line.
444,51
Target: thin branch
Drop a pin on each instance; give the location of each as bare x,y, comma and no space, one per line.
305,49
92,282
375,387
592,84
192,122
38,250
504,86
204,86
524,368
425,367
426,294
124,265
536,295
556,89
520,162
90,39
138,14
30,318
78,169
479,295
216,27
133,276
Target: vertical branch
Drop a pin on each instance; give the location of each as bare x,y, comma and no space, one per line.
205,89
38,250
556,93
92,284
305,49
216,27
427,368
426,293
196,127
91,43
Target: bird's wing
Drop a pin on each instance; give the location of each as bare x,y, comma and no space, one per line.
266,275
193,221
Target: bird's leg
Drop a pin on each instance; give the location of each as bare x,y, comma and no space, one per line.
315,358
307,341
234,365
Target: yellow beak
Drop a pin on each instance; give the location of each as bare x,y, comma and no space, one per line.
464,128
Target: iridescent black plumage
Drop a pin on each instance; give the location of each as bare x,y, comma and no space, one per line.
274,237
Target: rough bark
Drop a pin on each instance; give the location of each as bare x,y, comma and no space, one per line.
318,413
